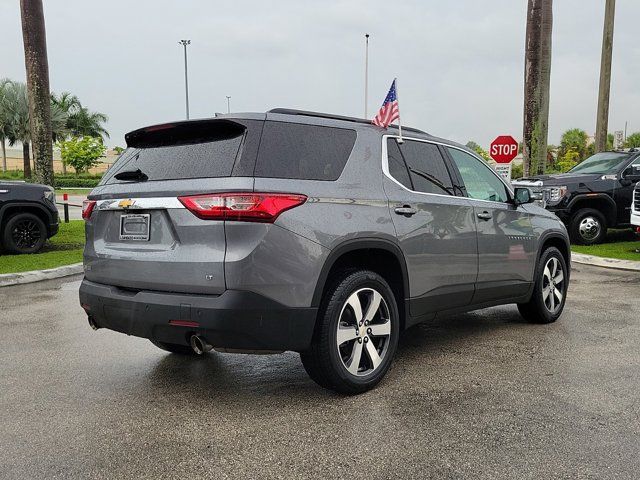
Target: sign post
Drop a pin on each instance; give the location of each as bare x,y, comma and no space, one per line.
503,150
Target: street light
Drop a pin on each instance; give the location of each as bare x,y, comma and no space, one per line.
228,103
184,43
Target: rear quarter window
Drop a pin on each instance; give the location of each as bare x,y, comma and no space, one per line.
305,152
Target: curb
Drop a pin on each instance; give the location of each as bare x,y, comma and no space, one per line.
605,262
9,279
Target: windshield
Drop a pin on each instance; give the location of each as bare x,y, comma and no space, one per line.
605,162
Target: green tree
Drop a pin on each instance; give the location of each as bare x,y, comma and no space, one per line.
632,141
574,140
479,150
567,161
20,130
82,153
5,119
118,150
81,121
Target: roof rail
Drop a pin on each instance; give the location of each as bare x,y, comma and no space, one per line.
291,111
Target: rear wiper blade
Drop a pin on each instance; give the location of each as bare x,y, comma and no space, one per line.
131,175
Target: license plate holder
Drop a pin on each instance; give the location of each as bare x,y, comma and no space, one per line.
135,227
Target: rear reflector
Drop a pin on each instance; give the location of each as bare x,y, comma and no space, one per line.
184,323
87,208
247,207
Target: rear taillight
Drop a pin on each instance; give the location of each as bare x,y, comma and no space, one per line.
87,208
247,207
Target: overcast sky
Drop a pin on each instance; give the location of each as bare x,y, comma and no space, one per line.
459,63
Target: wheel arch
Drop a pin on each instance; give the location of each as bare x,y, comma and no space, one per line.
12,208
381,256
598,201
554,239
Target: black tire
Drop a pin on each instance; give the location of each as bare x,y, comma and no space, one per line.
537,310
324,360
588,226
174,348
24,233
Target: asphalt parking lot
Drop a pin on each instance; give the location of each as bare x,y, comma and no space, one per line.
480,395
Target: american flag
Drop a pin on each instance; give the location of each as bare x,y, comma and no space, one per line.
389,110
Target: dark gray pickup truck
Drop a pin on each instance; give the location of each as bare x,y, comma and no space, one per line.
28,216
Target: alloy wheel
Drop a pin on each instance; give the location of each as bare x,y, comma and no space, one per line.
364,332
26,234
553,282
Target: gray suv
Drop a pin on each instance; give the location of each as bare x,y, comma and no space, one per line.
325,235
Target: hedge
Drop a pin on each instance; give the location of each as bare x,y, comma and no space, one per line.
73,182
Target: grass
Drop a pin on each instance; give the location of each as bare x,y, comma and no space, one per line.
71,191
620,244
64,248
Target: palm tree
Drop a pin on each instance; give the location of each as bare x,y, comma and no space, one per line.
35,54
17,105
85,123
5,120
537,75
15,109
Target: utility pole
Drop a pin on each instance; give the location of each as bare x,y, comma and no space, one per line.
537,77
35,58
366,74
184,43
228,103
602,119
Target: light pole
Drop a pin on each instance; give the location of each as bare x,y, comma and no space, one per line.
184,43
228,103
366,74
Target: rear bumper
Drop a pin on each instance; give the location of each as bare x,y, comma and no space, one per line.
235,319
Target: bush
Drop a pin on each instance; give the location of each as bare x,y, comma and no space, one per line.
76,182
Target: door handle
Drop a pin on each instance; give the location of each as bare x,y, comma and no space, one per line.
406,210
484,216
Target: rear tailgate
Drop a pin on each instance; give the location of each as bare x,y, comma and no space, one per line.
140,236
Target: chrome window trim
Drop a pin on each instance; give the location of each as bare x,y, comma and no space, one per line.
385,169
147,203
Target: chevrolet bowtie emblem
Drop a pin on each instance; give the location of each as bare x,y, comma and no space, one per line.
126,203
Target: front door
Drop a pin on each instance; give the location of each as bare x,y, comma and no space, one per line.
435,228
623,195
506,246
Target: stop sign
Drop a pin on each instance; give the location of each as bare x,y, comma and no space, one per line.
504,149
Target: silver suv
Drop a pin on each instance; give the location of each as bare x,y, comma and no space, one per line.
325,235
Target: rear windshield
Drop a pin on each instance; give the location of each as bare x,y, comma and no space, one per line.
306,152
170,157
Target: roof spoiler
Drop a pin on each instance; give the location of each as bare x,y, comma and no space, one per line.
184,133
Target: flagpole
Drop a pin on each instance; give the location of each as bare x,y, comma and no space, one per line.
399,122
366,74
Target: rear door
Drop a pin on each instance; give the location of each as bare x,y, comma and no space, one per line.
140,235
435,228
506,246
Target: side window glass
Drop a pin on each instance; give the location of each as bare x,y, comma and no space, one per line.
428,171
397,167
481,183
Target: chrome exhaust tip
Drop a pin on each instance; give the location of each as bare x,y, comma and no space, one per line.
199,345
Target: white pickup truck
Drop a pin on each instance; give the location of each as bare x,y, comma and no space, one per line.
635,208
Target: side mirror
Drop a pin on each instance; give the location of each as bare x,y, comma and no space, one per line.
632,173
522,195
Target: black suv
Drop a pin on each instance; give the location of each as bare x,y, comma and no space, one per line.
28,216
593,196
